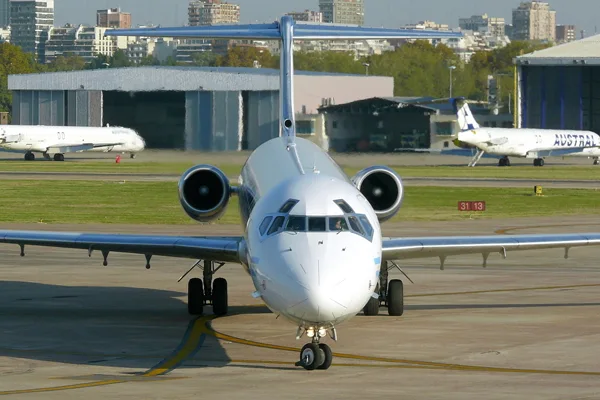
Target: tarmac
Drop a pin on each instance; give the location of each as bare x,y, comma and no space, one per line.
524,327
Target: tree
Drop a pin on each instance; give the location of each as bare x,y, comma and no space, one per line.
245,56
67,63
13,61
149,60
204,59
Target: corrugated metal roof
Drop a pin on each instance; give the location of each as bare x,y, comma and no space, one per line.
580,52
154,78
428,103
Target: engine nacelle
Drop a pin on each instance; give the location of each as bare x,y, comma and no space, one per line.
204,192
383,188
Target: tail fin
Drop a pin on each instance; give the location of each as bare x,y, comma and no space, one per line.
285,30
466,121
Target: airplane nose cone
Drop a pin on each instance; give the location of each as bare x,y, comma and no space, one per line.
319,305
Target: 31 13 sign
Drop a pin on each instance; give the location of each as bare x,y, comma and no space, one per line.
471,206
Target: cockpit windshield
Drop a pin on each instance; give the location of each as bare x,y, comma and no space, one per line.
282,221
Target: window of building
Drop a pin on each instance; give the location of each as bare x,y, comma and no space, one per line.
444,128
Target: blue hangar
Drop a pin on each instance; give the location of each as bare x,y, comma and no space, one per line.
191,108
559,87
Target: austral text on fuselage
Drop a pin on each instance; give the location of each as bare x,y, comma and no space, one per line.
567,139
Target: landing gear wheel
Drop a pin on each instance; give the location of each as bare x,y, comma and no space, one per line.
311,356
195,296
328,356
219,297
395,298
538,162
59,157
372,307
596,162
29,156
132,156
504,162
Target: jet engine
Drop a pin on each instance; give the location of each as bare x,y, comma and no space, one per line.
204,192
383,189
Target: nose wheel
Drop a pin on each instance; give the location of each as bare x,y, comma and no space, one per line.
315,356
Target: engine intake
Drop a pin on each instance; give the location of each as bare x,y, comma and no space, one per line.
204,192
383,189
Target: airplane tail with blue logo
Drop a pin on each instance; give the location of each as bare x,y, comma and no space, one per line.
466,121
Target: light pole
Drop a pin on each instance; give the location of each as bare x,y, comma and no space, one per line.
367,65
451,68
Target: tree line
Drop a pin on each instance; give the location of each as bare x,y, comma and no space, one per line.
419,68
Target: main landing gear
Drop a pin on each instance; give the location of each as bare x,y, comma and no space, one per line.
29,156
596,162
538,162
391,294
208,292
59,157
504,162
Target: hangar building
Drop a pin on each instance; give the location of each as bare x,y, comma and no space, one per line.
559,87
209,109
386,124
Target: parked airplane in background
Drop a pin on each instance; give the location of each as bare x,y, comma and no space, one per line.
529,143
58,140
312,240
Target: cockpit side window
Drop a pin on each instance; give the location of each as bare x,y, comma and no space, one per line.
344,206
367,225
317,224
277,225
338,224
287,206
265,224
355,225
296,224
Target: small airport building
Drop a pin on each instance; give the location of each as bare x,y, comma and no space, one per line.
192,108
388,124
559,87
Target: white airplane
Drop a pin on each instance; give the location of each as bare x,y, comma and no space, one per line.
529,143
312,241
58,140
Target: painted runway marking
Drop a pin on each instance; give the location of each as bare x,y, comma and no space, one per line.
190,344
401,363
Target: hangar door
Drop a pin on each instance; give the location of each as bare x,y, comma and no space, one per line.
159,117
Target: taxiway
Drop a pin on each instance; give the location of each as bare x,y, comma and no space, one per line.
524,327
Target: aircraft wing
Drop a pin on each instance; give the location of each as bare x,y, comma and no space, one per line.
74,148
442,247
223,249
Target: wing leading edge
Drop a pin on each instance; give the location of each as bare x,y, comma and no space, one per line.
442,247
223,249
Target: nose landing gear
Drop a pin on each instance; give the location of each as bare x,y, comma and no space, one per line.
315,355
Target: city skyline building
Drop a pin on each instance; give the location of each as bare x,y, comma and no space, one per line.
30,21
351,12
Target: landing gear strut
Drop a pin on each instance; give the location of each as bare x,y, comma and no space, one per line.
208,292
391,294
